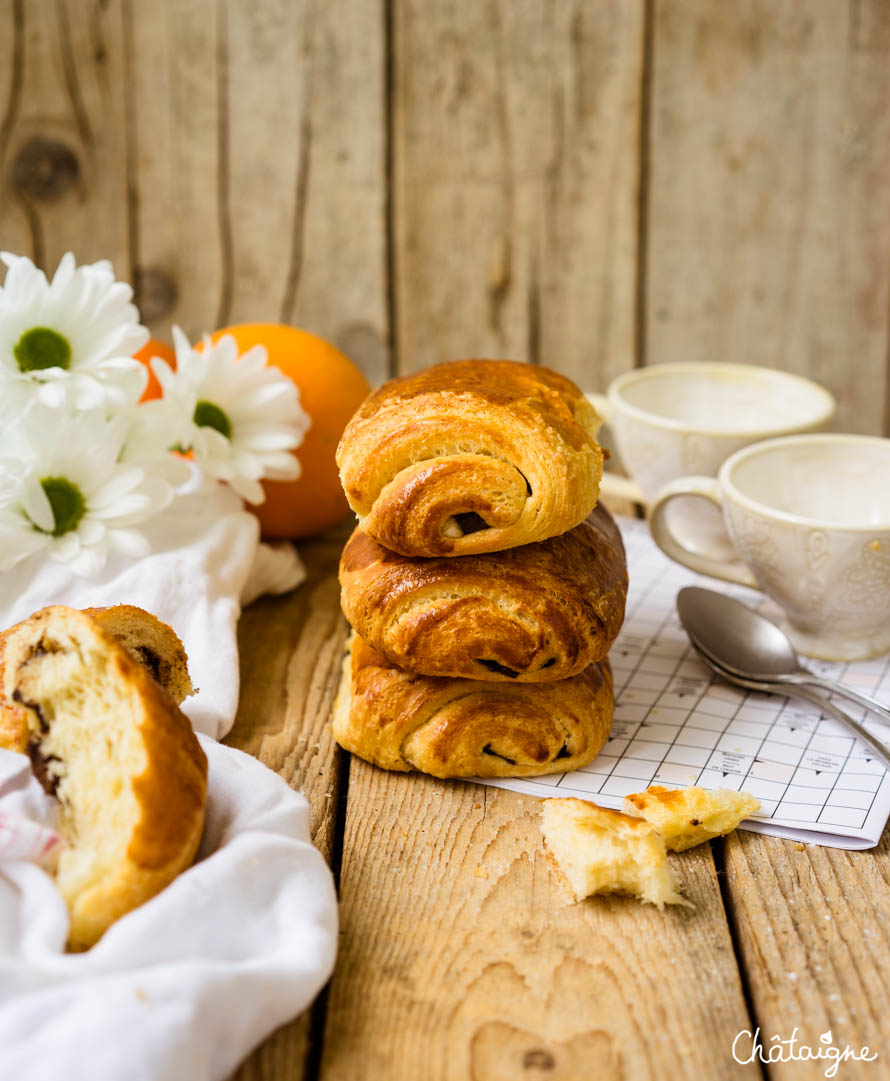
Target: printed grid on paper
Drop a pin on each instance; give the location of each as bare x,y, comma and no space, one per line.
676,724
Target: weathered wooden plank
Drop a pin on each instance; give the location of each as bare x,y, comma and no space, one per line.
228,158
463,955
516,132
813,927
177,72
769,205
260,179
63,132
291,649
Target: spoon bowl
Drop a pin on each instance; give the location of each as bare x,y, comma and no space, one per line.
747,644
740,639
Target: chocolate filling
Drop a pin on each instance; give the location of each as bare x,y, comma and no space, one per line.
470,522
547,664
487,750
150,660
40,764
563,753
501,669
22,701
42,648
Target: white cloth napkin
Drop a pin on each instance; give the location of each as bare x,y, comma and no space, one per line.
184,986
205,553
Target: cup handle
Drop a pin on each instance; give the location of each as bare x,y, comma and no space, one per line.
730,570
611,484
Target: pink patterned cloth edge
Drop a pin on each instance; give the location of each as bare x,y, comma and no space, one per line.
21,839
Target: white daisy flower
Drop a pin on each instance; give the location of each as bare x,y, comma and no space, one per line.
155,429
79,329
72,497
10,478
245,415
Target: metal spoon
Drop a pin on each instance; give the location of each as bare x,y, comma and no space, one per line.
881,750
748,644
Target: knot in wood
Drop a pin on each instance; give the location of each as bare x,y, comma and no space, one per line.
155,293
45,169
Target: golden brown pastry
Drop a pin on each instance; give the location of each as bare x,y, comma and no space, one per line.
151,642
471,456
535,614
604,851
688,816
469,728
148,640
120,757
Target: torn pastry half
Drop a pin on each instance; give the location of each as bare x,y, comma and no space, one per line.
452,727
689,816
147,639
599,850
117,753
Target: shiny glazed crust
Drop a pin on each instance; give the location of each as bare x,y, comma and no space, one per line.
146,638
469,728
535,614
119,755
511,445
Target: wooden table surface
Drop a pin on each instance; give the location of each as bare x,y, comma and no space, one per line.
463,956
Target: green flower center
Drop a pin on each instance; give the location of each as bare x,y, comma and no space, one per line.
42,347
208,415
67,502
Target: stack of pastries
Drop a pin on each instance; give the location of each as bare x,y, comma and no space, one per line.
483,583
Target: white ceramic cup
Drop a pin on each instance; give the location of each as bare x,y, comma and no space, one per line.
809,521
673,420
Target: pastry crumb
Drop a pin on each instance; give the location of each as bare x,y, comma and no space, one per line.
603,851
685,817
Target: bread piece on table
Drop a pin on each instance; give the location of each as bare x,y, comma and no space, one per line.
469,728
535,614
471,456
119,755
688,816
145,637
604,851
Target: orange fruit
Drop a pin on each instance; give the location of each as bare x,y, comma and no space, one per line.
331,389
154,348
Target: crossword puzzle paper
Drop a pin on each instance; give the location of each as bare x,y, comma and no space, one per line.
676,724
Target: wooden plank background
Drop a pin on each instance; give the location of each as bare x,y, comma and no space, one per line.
589,185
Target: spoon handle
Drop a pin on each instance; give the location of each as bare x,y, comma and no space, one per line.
881,749
853,695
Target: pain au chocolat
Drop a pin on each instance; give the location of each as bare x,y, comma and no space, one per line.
471,456
120,757
535,614
469,728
